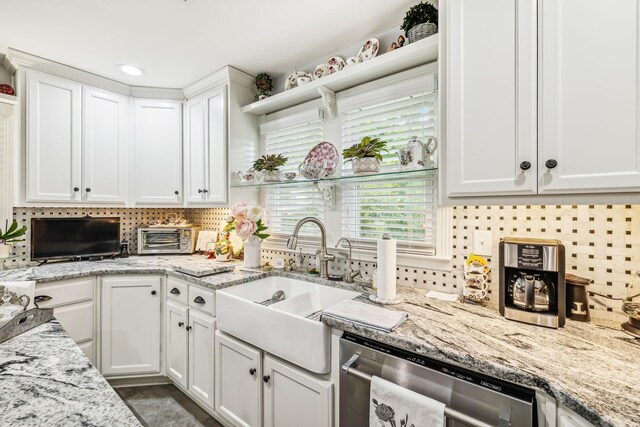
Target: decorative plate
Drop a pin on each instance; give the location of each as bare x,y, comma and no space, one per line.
325,154
335,63
369,49
292,80
321,71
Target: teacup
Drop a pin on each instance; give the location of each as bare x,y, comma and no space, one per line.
321,71
289,175
353,60
313,170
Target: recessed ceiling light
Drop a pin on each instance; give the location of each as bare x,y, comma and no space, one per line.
132,70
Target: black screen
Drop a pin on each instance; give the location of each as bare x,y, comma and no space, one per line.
74,237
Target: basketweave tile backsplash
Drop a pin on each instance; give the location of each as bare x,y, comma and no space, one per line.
601,242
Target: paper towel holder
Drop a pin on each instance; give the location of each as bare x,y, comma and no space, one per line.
386,301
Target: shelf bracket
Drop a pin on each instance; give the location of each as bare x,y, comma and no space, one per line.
329,101
328,193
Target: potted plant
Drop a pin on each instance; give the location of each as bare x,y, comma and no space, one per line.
247,222
10,235
268,165
420,21
264,85
366,155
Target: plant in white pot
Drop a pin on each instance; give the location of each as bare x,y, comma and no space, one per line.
366,155
247,222
268,165
10,235
421,21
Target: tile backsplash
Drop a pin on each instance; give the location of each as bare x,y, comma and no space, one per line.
601,242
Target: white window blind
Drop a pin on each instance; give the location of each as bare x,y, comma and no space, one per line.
287,204
402,205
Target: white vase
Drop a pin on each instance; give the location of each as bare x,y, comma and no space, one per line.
252,252
5,251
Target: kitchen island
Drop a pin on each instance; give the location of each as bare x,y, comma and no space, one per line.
46,380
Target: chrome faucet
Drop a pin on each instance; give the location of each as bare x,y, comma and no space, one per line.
350,274
325,257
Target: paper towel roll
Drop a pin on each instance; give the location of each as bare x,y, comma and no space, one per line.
386,268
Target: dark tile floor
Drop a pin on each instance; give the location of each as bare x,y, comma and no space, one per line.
166,406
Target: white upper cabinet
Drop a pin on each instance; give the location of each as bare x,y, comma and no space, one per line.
206,147
54,131
105,172
589,96
490,97
158,152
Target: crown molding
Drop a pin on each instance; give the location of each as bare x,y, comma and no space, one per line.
223,75
157,93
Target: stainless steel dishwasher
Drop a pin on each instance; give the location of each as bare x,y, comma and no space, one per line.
471,399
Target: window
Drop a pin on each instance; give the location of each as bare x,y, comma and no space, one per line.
402,205
286,205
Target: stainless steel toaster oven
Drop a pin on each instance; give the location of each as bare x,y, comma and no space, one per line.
176,240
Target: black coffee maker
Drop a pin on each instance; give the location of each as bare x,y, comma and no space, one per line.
532,282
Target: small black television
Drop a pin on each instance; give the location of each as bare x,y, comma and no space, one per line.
73,238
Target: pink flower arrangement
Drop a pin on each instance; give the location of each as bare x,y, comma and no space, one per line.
246,221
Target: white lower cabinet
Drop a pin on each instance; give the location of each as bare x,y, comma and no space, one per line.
293,398
73,303
567,418
246,381
131,314
190,341
238,379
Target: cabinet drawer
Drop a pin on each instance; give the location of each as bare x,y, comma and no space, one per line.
177,291
202,299
88,348
77,320
66,291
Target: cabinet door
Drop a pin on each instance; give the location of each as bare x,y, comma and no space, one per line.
54,115
158,152
130,325
590,103
286,384
491,97
105,172
238,379
201,351
567,418
195,151
177,343
217,170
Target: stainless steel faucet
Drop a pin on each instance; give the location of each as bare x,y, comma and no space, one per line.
350,274
325,256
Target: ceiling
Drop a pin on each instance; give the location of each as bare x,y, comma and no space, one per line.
176,44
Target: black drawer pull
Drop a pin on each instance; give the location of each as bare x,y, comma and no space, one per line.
266,378
551,163
76,189
188,328
175,291
180,324
252,371
40,298
199,300
525,166
88,190
199,191
176,192
153,292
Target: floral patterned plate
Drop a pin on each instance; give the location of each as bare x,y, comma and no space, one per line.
325,154
369,49
292,80
335,63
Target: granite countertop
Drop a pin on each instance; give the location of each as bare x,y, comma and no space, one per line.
45,379
592,368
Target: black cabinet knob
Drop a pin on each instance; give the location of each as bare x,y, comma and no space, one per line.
525,166
199,300
76,189
188,328
175,291
153,292
180,324
205,191
252,371
199,190
551,163
266,378
176,192
88,190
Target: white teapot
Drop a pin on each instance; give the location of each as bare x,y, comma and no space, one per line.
416,155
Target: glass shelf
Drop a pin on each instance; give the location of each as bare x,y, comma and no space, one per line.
388,174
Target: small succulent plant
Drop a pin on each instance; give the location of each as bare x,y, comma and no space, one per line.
368,147
269,162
